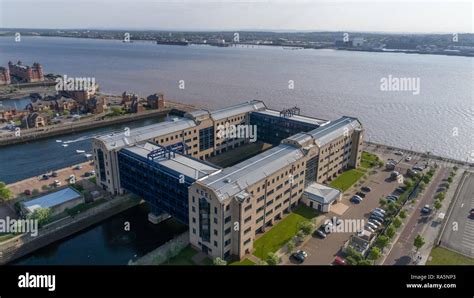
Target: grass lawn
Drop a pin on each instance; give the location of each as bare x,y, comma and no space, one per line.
368,160
185,258
347,179
443,256
244,262
6,236
282,232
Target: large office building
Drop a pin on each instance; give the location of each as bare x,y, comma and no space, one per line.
226,209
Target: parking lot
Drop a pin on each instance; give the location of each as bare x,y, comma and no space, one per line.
323,251
459,232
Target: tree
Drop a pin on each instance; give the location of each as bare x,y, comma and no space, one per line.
397,222
273,259
5,193
390,232
353,254
306,227
419,242
437,204
440,196
219,262
291,246
426,179
42,215
375,253
450,179
382,202
402,214
364,262
408,183
382,241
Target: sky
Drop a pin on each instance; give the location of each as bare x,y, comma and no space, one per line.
416,16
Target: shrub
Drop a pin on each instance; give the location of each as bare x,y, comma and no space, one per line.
374,253
402,214
397,222
306,227
273,259
382,241
291,246
219,262
390,232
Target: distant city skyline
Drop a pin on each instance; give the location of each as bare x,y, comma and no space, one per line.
230,15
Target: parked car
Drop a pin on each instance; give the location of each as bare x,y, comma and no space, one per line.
393,197
327,228
398,153
87,174
320,233
54,174
400,189
372,225
45,177
380,210
394,175
375,212
376,218
57,183
417,168
471,213
27,192
426,209
78,167
369,228
356,199
300,256
366,189
408,158
391,200
339,261
360,194
92,173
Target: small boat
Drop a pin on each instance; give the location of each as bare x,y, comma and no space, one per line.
88,155
65,145
80,151
59,141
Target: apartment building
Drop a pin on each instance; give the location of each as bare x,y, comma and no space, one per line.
227,209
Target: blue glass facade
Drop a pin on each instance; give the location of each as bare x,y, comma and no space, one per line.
273,129
164,189
206,138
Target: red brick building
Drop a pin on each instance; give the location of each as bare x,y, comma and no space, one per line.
4,76
26,73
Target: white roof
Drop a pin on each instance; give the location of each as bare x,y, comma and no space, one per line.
52,199
321,193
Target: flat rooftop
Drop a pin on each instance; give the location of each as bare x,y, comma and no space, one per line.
118,140
299,118
52,199
182,164
245,107
237,178
321,193
334,129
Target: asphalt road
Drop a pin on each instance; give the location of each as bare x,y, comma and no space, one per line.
462,238
400,253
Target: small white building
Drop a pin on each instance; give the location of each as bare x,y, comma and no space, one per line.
321,197
57,201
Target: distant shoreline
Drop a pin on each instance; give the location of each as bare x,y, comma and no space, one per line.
302,47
